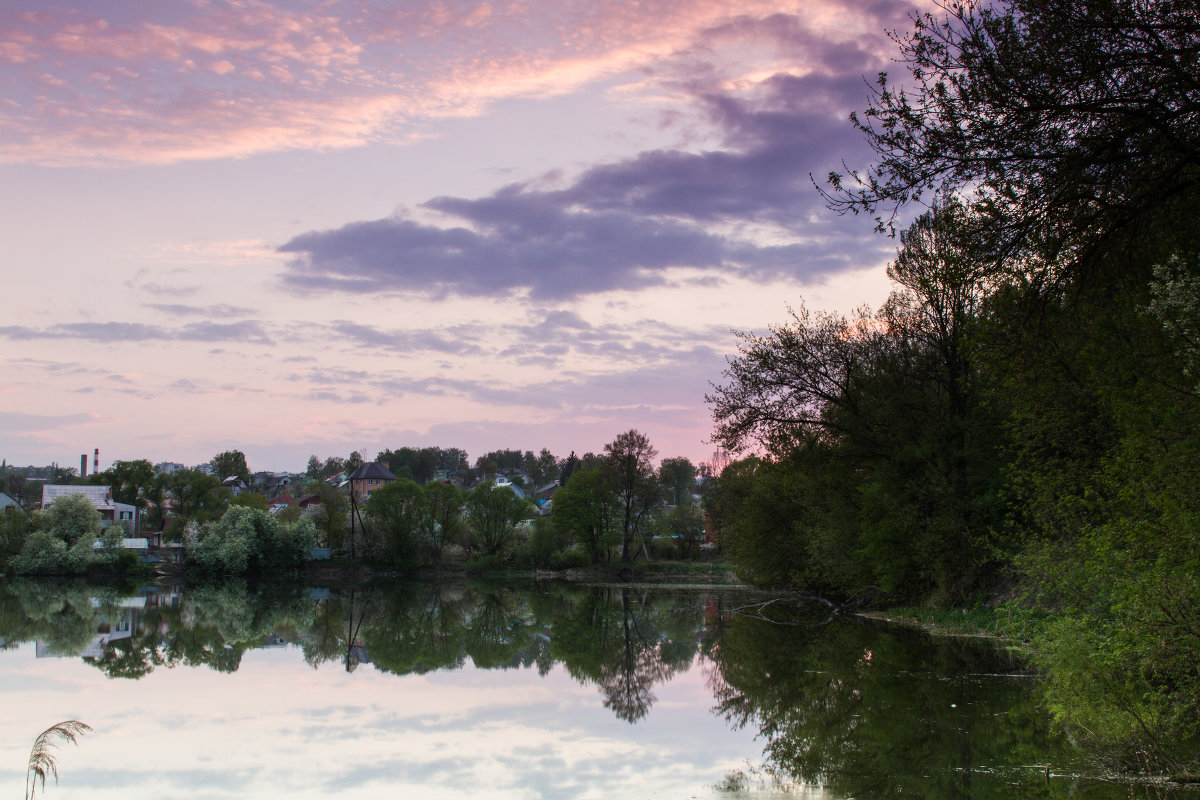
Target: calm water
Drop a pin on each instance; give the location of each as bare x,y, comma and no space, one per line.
449,691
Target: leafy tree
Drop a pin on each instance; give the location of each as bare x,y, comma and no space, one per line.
198,497
678,478
486,467
65,539
444,502
630,459
353,462
331,515
588,508
15,525
686,524
543,469
1068,122
251,500
401,509
493,513
567,468
251,541
130,481
313,470
231,463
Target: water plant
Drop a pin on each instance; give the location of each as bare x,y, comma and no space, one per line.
41,757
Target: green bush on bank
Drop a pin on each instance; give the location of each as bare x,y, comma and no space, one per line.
249,541
64,542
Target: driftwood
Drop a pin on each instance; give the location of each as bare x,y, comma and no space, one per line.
755,610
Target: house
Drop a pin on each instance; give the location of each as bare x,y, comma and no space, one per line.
308,500
505,483
234,484
101,497
368,478
7,501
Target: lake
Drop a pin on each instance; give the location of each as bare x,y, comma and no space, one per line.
547,691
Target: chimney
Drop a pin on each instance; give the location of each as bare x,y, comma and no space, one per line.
83,465
96,462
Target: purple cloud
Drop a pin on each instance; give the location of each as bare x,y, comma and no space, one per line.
624,225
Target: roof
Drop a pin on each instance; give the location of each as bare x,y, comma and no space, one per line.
372,470
101,496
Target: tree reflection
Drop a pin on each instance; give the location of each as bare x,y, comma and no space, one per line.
877,712
626,643
864,711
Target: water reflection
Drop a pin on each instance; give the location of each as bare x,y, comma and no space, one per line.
859,709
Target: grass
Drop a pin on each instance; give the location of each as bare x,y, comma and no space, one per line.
977,622
41,757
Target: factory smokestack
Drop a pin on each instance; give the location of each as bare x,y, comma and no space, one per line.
83,465
96,462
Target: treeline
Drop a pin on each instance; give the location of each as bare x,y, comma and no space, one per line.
620,504
1020,420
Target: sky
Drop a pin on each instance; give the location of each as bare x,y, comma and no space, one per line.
278,728
312,227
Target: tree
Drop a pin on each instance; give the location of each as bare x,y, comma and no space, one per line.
64,543
331,515
493,513
1069,122
129,480
444,502
250,540
400,508
567,468
686,525
313,470
198,496
231,463
589,509
251,500
630,459
678,477
353,462
543,469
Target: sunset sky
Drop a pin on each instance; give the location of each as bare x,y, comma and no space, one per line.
313,227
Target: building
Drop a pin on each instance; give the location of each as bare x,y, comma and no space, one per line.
101,496
8,501
369,477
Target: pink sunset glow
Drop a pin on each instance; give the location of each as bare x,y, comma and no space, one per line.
300,228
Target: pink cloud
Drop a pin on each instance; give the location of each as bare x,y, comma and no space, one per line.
227,79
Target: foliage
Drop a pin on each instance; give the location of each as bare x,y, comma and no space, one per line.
493,513
400,508
229,464
130,481
64,543
1025,403
330,514
15,525
630,458
588,509
251,541
678,477
421,465
251,500
1068,122
197,496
